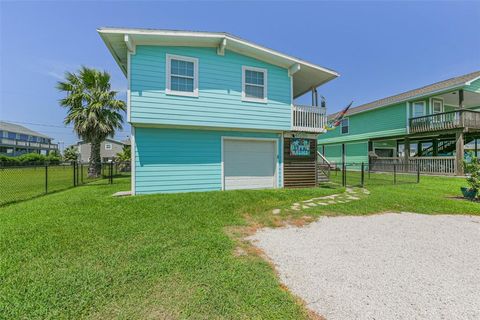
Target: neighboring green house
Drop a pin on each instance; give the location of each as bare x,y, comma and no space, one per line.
434,123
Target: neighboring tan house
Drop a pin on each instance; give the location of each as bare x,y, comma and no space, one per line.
16,140
108,149
211,111
429,128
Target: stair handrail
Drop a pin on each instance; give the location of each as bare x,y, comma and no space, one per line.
323,158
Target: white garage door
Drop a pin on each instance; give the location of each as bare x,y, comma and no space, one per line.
249,164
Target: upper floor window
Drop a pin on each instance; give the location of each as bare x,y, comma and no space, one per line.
418,109
345,125
437,106
254,84
108,146
12,135
182,76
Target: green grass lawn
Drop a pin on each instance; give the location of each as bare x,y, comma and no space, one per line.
81,253
21,183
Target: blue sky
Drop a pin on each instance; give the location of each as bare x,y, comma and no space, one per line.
379,48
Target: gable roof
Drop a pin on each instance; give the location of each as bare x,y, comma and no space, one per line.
444,85
12,127
305,75
125,142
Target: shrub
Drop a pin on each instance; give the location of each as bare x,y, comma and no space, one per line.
472,169
29,158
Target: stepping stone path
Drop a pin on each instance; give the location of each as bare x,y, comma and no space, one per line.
350,194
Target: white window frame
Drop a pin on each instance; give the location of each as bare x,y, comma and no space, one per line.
424,107
109,145
265,84
442,107
342,126
168,89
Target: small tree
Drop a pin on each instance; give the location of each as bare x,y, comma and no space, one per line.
125,154
70,153
93,109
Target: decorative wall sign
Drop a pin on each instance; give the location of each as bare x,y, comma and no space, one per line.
299,147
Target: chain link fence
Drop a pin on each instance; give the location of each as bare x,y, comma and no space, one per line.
28,181
362,174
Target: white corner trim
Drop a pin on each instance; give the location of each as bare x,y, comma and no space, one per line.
133,159
408,117
265,85
129,99
168,89
221,47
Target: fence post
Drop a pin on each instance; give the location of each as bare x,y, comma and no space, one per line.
344,175
74,176
111,172
363,174
418,174
394,173
81,172
46,178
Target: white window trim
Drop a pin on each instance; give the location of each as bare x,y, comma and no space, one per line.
265,84
348,126
110,147
424,108
168,89
433,100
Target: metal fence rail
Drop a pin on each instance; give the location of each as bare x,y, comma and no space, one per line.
362,174
24,182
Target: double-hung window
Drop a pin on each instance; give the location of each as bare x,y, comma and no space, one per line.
254,84
418,109
345,124
437,106
182,76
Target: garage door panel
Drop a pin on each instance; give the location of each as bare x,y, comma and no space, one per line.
249,164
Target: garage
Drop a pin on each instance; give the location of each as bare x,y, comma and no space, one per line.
249,164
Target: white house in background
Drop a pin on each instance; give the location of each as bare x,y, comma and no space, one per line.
108,149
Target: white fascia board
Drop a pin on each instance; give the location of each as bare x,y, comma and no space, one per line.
213,35
424,95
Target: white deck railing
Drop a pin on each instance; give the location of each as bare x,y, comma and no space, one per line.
430,165
309,119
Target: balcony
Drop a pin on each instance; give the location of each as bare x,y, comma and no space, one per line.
309,119
445,121
20,143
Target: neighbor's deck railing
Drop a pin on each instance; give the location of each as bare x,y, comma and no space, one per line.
445,121
309,119
430,165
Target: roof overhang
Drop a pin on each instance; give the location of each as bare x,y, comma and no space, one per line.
305,75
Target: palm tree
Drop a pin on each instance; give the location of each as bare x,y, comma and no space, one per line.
92,108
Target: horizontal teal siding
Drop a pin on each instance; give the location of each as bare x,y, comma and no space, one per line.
381,122
177,160
219,103
355,153
333,153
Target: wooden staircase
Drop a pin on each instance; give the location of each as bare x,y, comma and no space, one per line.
323,169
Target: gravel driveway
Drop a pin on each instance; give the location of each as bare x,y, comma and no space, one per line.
386,266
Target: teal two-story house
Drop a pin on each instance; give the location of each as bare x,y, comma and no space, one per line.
211,111
431,129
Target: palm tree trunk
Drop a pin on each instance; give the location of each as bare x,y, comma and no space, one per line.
95,167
